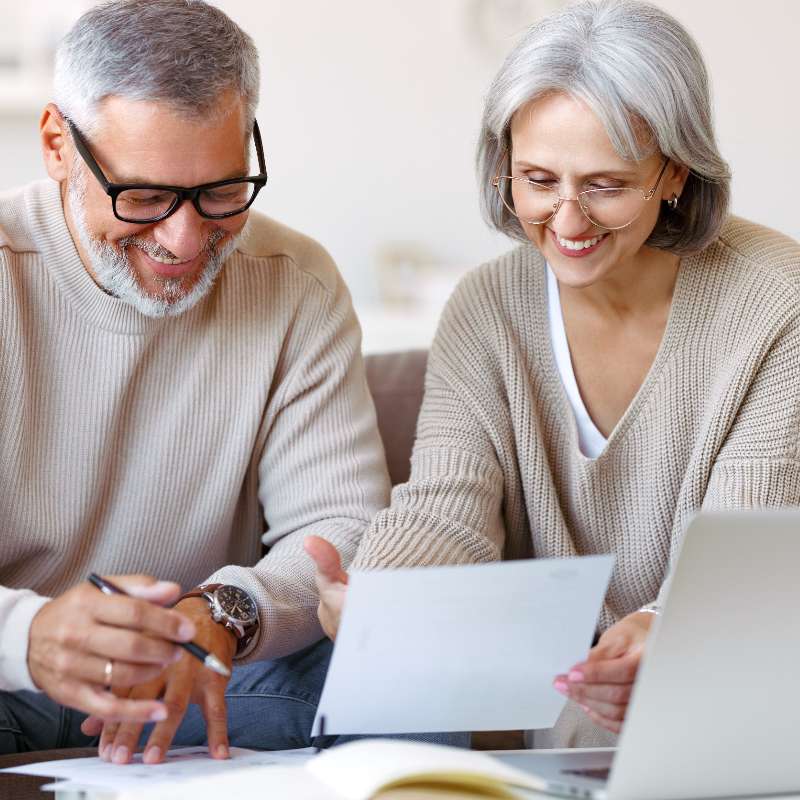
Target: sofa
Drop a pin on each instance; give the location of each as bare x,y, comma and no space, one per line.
396,381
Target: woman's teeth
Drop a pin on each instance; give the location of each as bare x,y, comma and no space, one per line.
569,244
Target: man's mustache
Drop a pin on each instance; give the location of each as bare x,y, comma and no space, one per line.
158,251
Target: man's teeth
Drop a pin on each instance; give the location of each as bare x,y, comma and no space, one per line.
569,244
171,261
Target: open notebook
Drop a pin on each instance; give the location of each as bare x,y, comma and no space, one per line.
357,771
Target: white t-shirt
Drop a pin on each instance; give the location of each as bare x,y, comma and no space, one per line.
590,440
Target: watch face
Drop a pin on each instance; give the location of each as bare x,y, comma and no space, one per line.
236,603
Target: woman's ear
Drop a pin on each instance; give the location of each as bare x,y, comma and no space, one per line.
674,180
54,139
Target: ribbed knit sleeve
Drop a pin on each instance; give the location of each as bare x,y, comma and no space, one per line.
758,465
322,471
450,510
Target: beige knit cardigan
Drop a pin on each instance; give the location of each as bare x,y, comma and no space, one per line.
497,472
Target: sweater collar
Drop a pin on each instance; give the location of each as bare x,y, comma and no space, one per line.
53,239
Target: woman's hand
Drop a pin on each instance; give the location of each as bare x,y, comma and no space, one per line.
331,582
602,684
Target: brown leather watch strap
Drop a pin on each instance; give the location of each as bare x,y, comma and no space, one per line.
199,591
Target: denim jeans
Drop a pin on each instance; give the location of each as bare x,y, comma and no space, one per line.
271,706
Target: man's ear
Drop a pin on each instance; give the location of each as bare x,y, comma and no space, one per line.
55,139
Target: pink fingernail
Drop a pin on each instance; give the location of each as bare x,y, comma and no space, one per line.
222,751
561,686
121,755
159,714
575,676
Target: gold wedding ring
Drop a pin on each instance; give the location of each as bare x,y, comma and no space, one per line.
108,673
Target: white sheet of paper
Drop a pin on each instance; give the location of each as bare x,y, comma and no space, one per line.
275,781
180,764
460,648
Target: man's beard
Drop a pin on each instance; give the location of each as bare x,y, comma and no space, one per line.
115,274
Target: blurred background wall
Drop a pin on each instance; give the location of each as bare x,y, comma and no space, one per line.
370,112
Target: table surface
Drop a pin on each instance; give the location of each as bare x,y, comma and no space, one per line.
28,787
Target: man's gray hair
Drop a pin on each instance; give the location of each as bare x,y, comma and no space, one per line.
184,53
631,63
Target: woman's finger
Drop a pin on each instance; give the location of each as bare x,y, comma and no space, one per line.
613,694
615,670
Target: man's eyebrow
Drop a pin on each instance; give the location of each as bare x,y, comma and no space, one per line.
619,173
140,181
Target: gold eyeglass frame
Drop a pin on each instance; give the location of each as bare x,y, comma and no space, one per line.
577,199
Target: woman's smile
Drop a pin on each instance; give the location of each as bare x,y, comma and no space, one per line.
577,248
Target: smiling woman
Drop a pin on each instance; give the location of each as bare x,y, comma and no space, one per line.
634,359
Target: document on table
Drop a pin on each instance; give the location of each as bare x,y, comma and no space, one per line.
460,648
180,764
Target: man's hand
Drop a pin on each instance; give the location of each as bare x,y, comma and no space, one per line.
331,582
73,638
602,684
187,681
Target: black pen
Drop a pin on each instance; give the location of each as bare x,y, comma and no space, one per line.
209,659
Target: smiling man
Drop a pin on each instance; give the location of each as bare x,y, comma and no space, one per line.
181,384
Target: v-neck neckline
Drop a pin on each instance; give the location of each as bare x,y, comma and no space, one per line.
590,437
665,348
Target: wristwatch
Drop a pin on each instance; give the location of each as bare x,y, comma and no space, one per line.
232,607
651,608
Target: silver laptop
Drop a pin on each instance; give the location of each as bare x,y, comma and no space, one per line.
716,707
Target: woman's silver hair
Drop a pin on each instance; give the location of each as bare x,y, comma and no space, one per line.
631,63
183,53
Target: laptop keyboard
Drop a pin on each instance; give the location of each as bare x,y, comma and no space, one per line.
595,774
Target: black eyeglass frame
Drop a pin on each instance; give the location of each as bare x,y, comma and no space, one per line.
113,190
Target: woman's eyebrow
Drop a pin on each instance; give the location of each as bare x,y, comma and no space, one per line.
617,173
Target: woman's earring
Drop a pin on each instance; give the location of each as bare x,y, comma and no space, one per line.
673,203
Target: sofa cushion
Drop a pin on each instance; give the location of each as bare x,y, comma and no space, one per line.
397,383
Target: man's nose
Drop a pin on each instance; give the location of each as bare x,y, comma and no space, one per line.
183,233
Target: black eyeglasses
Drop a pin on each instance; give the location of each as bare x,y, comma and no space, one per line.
147,203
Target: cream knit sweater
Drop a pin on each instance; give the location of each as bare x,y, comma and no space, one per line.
497,472
166,446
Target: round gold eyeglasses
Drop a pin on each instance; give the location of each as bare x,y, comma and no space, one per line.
535,203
